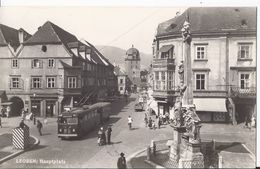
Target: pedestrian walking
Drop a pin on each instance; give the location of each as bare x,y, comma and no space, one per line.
159,122
130,121
145,121
0,121
34,119
39,127
150,122
2,111
109,131
121,162
154,126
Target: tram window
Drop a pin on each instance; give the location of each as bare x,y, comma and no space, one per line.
72,120
62,120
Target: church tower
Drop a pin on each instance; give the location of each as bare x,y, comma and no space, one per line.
132,66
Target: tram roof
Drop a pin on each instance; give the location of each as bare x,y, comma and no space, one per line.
83,109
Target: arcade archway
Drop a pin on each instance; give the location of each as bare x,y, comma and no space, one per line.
17,106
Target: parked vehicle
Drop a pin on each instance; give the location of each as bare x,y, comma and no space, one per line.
139,106
78,121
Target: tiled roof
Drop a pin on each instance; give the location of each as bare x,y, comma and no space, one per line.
50,33
97,56
10,36
212,19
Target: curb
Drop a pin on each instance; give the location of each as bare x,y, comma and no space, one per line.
153,164
146,161
37,141
128,159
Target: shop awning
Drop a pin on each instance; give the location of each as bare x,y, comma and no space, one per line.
6,103
210,104
152,104
165,48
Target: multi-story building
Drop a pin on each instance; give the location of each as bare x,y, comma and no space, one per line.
223,54
51,70
132,65
123,81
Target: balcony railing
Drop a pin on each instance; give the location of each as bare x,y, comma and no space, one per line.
237,91
158,63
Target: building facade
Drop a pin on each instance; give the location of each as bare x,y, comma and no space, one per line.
223,54
51,70
132,65
123,82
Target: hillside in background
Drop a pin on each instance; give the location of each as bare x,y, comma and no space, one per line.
117,55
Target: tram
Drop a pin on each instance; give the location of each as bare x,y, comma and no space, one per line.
80,120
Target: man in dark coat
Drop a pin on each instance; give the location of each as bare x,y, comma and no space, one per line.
39,127
121,162
109,131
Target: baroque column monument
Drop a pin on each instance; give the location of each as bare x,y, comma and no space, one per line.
185,150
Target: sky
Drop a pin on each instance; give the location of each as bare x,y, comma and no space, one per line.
120,23
114,26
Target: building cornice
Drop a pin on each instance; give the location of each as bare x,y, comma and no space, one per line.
195,34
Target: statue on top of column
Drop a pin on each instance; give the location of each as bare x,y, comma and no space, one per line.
186,32
182,87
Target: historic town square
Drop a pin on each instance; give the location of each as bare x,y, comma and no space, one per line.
128,87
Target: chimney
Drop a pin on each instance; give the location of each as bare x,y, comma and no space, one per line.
21,35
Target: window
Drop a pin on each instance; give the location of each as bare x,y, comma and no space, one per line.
163,86
15,63
170,80
200,81
165,55
36,63
121,81
244,80
50,82
51,63
72,82
121,88
15,83
200,52
157,81
244,51
36,82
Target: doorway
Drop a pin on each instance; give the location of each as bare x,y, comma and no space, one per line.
36,107
50,108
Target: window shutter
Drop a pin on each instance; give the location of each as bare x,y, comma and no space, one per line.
31,83
21,83
10,83
239,54
32,63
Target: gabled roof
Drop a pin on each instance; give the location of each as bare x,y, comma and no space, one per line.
50,33
98,57
118,71
211,19
10,36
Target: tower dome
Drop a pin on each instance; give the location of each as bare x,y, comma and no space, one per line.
132,54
